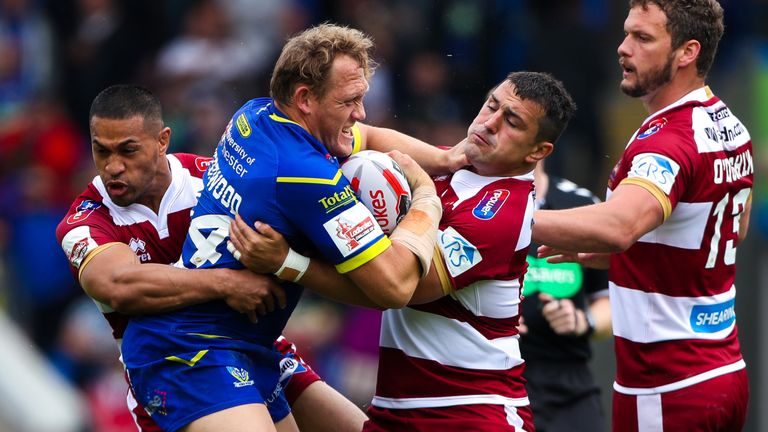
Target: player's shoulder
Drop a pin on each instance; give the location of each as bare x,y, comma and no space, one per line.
259,118
667,136
674,127
663,128
260,131
88,208
193,163
251,122
256,107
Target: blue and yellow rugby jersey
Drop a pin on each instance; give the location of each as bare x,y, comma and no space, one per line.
268,168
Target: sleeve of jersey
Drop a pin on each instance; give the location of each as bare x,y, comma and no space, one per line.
82,239
327,212
474,249
660,164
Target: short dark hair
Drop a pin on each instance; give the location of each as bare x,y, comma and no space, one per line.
549,93
701,20
123,101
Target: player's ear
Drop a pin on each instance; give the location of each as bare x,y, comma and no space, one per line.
539,151
164,139
302,97
688,52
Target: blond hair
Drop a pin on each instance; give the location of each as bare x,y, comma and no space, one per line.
307,58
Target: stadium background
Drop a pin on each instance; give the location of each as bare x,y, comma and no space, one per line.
58,369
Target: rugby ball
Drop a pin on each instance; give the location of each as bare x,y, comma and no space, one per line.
379,183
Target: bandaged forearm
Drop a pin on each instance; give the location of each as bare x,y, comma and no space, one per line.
418,229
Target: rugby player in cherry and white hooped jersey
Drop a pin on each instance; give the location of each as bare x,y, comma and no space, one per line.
451,359
678,204
130,222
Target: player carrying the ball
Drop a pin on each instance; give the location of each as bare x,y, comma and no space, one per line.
208,367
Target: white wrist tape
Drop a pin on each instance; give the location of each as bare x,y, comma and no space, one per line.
294,266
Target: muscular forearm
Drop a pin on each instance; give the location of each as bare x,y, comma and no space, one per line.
374,284
155,288
115,277
266,251
391,279
579,230
323,279
432,159
611,226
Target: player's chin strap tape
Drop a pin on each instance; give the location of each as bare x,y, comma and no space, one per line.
418,229
294,266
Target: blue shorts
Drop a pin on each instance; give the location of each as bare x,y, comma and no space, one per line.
179,377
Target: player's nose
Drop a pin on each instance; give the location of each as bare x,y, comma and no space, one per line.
114,166
492,122
358,114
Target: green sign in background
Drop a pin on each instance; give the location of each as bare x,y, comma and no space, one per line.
558,280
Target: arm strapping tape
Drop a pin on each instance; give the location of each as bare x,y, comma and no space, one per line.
418,229
294,266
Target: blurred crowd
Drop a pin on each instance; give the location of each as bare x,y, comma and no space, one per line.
204,58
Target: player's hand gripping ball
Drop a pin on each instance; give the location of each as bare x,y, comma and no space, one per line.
379,183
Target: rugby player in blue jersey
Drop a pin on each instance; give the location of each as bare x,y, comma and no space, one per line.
207,367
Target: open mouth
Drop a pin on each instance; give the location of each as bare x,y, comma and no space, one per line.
116,188
347,132
627,69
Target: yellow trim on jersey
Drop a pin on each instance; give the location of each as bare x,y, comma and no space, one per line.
651,187
92,254
357,144
190,362
367,255
442,272
279,119
209,336
311,180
